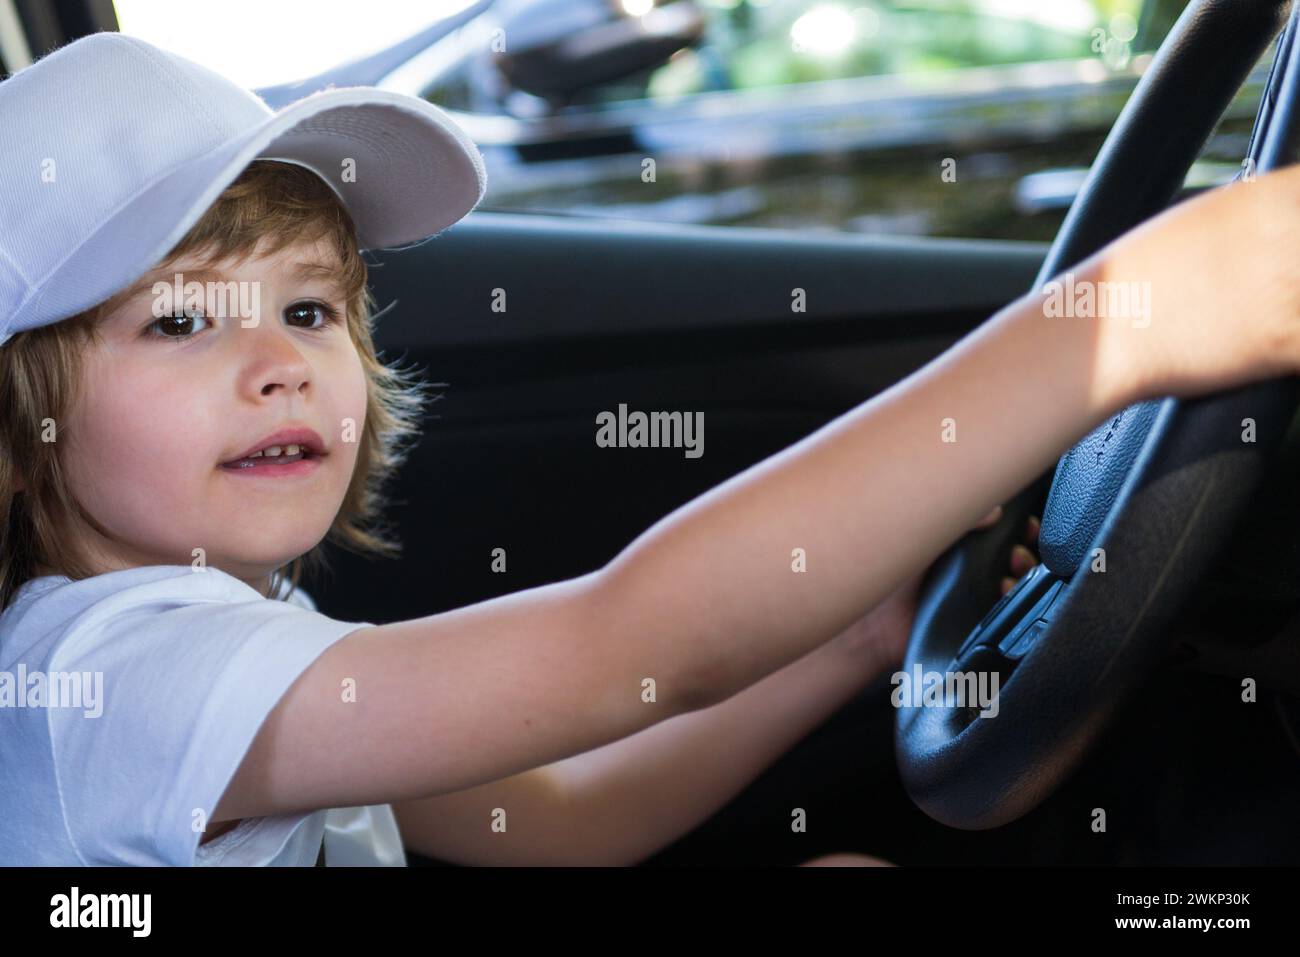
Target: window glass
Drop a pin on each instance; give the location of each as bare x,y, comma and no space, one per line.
960,118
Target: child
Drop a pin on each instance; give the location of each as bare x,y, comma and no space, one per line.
591,720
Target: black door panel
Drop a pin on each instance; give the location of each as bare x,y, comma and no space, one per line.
688,320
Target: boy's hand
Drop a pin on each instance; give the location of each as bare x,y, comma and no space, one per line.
1224,299
878,640
1023,556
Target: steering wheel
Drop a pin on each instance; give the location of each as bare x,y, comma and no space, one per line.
1136,510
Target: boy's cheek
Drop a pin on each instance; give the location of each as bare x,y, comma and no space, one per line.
352,418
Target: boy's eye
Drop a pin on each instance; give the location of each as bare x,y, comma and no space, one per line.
178,326
308,311
181,326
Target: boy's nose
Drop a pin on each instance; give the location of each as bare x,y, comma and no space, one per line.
272,359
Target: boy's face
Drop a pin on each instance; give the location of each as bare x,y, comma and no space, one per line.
167,402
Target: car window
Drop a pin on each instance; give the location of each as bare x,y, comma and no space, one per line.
256,43
753,46
749,45
954,118
950,118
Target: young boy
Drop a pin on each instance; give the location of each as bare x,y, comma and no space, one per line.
168,469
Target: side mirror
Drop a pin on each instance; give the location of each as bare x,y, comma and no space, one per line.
555,48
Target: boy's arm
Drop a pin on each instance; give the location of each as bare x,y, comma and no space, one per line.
870,498
621,803
705,602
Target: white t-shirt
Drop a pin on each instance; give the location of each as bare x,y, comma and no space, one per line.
154,683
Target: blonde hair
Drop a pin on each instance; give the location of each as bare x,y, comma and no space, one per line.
273,204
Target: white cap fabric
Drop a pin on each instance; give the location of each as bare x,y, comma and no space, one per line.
113,149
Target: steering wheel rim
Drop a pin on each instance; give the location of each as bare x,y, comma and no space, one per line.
1158,488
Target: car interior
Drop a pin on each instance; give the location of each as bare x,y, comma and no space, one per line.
699,318
1166,692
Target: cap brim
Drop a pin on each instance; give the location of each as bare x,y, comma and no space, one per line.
404,170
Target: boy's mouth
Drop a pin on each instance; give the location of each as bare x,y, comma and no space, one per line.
278,450
274,459
273,456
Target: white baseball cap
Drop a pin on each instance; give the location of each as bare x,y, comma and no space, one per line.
113,149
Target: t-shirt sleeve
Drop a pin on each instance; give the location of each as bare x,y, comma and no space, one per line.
186,687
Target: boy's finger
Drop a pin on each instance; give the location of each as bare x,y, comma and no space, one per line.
1022,559
991,518
1031,533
